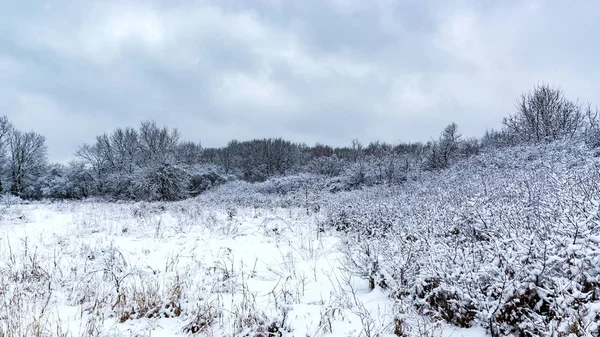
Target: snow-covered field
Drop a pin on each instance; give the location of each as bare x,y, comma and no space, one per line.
143,269
506,243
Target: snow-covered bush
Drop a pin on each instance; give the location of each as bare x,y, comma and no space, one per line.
203,178
508,239
330,166
162,182
9,199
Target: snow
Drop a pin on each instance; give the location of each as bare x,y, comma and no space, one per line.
90,264
462,332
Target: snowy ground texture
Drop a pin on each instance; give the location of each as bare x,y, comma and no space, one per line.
506,243
100,269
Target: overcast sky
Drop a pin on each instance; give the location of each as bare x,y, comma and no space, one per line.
308,71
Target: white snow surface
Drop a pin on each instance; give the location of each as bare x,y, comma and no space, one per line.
143,269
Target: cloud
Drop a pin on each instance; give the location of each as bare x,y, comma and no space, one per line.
308,71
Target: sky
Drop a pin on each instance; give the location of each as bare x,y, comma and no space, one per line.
309,71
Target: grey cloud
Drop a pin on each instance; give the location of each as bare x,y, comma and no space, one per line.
309,71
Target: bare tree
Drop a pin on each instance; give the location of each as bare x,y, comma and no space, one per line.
592,126
445,150
5,128
157,145
188,153
125,144
545,115
27,160
357,149
121,164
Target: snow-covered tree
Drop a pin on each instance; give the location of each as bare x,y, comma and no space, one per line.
545,115
27,161
5,129
188,153
445,150
121,164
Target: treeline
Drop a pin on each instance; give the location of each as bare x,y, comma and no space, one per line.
153,163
